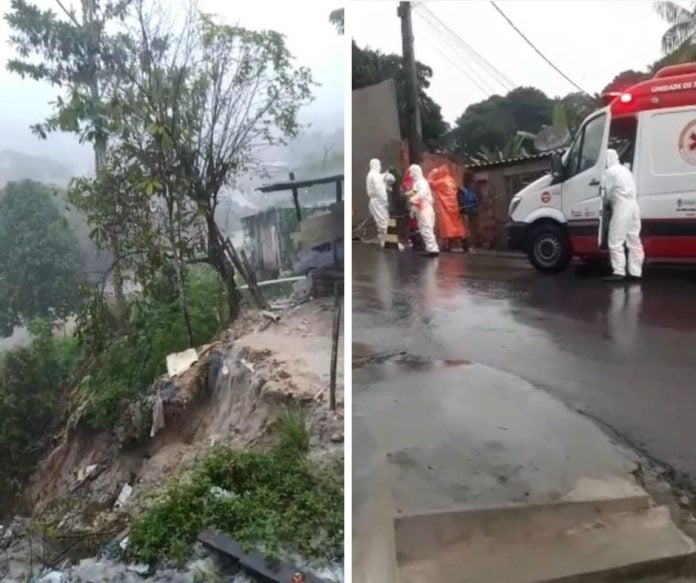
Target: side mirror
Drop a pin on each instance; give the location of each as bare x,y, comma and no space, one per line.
557,166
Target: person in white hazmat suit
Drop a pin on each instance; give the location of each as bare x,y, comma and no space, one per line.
376,184
422,202
624,227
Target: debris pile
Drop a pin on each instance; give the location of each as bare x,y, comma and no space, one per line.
231,392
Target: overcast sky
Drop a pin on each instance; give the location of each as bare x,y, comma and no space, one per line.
310,37
590,41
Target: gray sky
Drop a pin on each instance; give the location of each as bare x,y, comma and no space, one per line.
312,40
589,40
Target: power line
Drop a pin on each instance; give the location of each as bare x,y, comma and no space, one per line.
536,49
471,75
494,72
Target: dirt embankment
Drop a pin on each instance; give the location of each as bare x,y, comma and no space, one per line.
232,395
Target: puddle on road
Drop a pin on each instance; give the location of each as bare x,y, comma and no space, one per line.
364,354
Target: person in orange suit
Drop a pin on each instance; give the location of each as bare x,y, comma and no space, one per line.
449,222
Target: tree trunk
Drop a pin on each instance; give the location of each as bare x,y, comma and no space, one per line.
178,270
90,8
225,269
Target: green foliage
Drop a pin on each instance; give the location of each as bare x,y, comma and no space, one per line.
513,148
625,79
40,259
74,53
292,428
30,387
559,116
370,67
126,365
337,18
491,122
269,500
577,107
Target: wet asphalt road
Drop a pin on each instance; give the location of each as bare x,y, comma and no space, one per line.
626,356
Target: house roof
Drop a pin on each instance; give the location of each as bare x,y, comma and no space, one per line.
515,160
289,185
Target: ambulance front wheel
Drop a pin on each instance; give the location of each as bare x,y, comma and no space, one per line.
548,248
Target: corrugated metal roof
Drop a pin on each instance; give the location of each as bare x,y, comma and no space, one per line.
516,160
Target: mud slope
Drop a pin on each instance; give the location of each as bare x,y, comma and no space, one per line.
232,395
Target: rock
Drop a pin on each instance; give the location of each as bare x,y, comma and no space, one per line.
53,577
179,362
337,438
684,501
123,497
139,569
87,473
218,492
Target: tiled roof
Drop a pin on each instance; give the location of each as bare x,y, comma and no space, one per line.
516,160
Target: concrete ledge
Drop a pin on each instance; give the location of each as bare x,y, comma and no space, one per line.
566,542
419,535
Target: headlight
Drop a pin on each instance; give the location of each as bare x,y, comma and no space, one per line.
514,203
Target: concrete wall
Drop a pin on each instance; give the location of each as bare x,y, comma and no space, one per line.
375,134
498,185
268,240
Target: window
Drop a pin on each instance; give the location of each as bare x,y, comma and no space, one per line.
622,137
585,150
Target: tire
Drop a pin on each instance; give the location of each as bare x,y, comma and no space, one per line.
548,248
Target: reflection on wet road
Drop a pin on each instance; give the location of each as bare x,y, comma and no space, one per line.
624,355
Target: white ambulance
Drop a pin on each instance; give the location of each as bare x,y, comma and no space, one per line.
652,125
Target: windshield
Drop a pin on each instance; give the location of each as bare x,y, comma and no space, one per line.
586,149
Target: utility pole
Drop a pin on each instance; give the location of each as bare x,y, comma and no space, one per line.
415,136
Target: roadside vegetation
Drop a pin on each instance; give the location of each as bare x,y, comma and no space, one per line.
275,500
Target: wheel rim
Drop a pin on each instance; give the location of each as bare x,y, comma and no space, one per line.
547,250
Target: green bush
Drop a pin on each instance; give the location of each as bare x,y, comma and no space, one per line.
266,500
292,428
31,378
127,365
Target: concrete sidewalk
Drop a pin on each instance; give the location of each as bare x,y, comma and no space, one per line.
439,436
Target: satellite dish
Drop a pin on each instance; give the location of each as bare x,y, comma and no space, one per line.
551,138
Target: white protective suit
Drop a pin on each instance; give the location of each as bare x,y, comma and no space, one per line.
376,185
624,228
422,202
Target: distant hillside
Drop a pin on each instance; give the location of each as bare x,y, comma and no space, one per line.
18,166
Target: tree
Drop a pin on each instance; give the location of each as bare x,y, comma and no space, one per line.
513,148
626,79
195,106
682,23
40,259
371,67
337,18
77,55
491,123
577,107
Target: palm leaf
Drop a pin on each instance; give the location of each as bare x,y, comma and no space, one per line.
682,21
672,12
677,35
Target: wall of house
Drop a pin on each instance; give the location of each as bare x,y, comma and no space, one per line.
268,242
497,186
376,134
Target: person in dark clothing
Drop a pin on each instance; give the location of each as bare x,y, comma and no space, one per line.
468,202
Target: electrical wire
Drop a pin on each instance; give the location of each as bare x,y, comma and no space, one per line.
486,65
531,44
481,84
459,42
454,57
